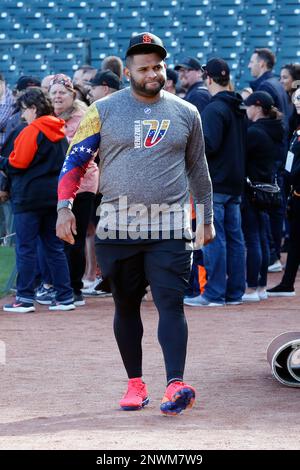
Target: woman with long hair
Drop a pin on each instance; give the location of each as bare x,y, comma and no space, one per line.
264,143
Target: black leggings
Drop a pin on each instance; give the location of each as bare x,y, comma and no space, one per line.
165,265
293,258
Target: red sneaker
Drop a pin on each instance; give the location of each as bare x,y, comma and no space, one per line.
178,396
136,396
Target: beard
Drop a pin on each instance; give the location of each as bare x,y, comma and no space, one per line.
144,91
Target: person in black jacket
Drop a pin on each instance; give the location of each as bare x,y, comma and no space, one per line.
190,75
224,129
264,141
33,168
261,66
286,286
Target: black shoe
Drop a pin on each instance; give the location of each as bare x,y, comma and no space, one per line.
285,246
79,300
19,307
281,291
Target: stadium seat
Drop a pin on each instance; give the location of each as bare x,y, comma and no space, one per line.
201,28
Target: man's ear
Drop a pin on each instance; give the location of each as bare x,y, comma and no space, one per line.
127,72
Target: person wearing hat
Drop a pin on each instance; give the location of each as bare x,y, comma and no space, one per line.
151,154
103,84
265,137
225,130
171,82
261,66
190,76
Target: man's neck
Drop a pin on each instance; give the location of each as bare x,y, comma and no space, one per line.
147,99
263,72
217,89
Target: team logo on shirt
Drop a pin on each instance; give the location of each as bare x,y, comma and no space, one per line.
155,132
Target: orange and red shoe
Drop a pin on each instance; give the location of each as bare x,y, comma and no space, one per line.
178,396
136,396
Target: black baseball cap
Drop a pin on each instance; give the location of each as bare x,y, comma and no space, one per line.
217,68
145,43
26,81
260,98
189,63
106,77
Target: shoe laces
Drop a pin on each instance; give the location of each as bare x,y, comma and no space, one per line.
137,387
172,388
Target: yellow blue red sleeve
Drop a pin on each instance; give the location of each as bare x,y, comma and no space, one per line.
82,148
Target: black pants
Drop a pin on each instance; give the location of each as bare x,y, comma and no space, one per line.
293,258
165,265
76,253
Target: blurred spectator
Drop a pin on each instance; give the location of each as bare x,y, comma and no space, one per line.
190,76
261,66
224,129
6,107
264,141
46,82
171,82
113,63
290,79
286,287
24,82
82,93
33,167
245,92
103,84
67,107
83,75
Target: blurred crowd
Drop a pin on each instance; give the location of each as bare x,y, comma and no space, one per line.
252,139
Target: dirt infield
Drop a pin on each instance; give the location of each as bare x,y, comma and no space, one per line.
63,378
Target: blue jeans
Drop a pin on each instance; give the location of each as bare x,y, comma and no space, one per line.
224,258
29,226
255,228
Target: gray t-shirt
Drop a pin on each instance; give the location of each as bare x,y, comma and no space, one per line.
151,157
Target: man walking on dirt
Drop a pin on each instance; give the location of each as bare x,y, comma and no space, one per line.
151,152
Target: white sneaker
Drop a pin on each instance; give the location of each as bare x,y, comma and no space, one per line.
199,301
253,297
56,306
275,267
90,284
263,294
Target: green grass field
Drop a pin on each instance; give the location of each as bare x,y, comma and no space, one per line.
7,262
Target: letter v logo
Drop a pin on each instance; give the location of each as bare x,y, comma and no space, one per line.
156,131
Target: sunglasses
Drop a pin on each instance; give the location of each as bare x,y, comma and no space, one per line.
61,81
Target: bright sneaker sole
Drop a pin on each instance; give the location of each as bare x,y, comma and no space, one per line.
245,301
43,302
211,304
79,303
19,309
134,408
183,399
61,307
281,294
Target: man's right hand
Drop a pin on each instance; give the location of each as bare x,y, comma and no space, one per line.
66,225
